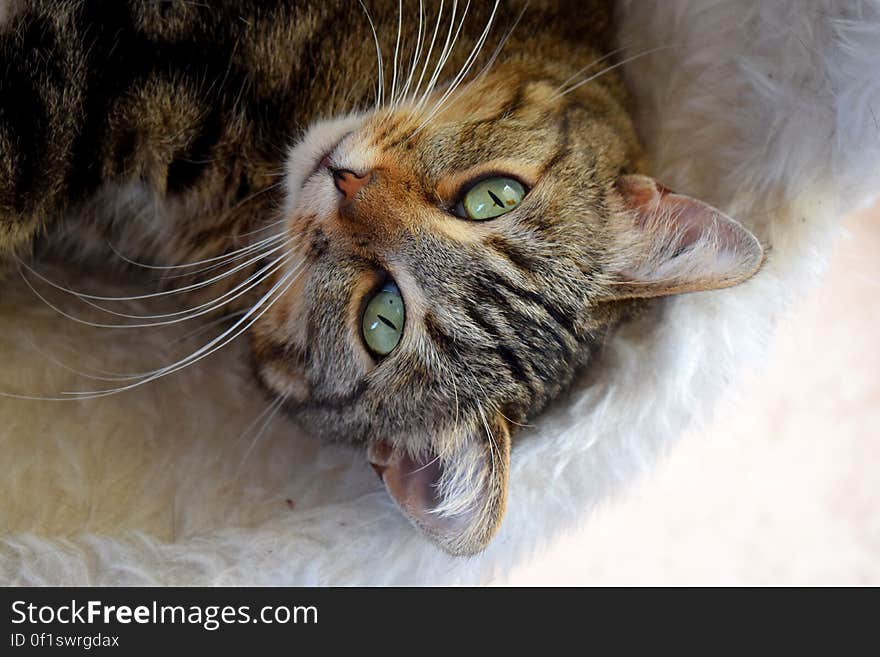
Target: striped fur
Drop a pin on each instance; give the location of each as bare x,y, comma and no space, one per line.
190,108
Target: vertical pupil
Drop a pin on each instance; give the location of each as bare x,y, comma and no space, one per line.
492,197
383,320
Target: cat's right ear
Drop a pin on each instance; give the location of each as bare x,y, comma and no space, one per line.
668,243
457,500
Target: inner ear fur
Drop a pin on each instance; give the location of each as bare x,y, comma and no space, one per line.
458,499
668,243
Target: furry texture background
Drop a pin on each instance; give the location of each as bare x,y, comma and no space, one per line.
767,110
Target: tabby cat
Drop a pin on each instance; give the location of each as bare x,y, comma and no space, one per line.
428,215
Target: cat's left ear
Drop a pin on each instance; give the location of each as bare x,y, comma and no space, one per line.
457,500
668,243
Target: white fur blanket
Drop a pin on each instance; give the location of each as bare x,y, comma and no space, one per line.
768,110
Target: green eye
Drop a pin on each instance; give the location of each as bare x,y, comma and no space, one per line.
382,324
492,197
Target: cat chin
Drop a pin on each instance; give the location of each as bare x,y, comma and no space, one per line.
304,158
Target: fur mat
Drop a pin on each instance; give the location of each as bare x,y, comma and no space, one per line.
769,110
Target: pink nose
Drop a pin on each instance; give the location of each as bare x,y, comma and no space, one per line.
349,183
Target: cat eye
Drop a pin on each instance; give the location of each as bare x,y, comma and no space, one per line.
382,323
491,197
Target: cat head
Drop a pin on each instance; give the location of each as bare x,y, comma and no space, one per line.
453,266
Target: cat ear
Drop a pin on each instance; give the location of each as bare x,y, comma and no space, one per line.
669,243
456,500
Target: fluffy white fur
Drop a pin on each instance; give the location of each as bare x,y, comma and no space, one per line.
768,110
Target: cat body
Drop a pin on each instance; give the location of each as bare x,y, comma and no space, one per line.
295,161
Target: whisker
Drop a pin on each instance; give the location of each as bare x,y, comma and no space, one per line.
274,407
227,297
102,375
380,82
479,385
247,320
417,51
609,69
154,295
519,424
396,48
220,260
262,244
466,67
207,326
427,465
263,228
444,54
262,414
430,50
599,60
493,447
105,375
502,43
220,219
252,282
164,279
455,392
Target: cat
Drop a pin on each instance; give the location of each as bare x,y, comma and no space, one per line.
428,216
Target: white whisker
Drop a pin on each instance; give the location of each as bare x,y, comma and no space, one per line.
221,258
427,465
466,67
417,52
103,375
164,279
609,69
154,295
493,447
252,282
418,86
263,229
455,392
380,82
272,409
599,60
247,320
200,310
396,49
444,54
502,43
262,414
207,326
106,375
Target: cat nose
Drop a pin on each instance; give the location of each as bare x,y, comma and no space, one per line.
350,183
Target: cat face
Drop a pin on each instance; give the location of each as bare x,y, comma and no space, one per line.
454,265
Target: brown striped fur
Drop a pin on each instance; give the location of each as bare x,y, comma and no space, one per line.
193,107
